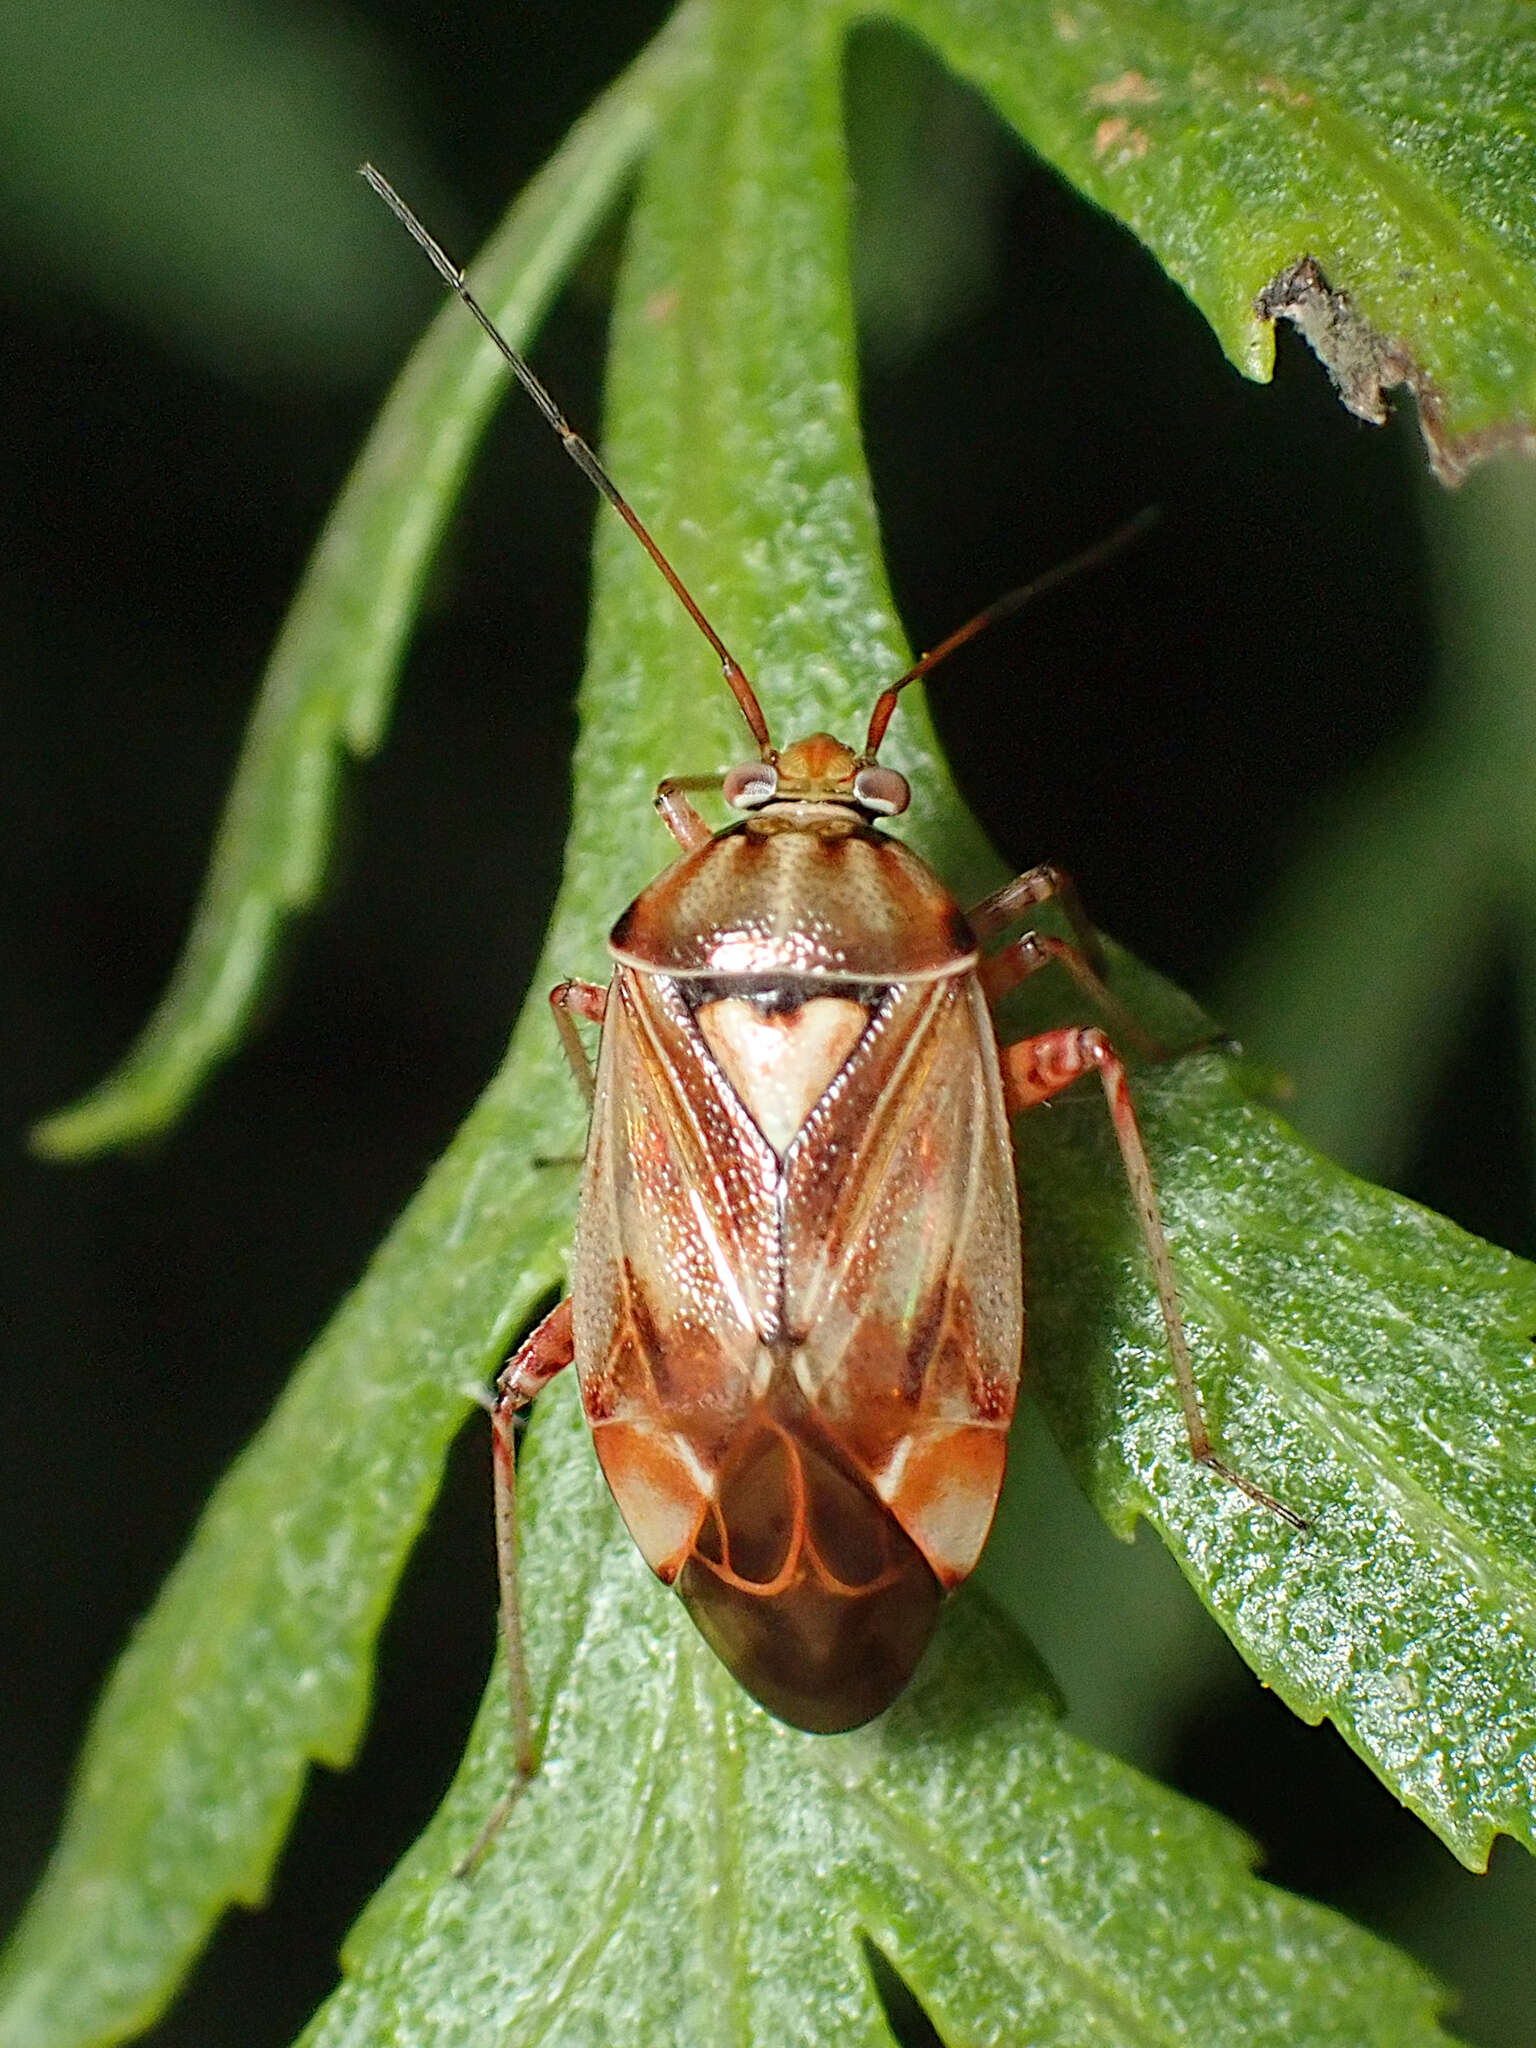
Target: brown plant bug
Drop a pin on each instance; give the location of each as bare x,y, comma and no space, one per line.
796,1309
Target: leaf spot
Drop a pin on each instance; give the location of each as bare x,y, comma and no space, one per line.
1130,89
1277,89
1116,133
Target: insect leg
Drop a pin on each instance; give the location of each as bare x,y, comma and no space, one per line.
1037,1068
687,827
1025,955
569,1000
1005,906
548,1350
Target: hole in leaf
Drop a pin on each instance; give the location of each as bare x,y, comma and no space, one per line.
904,2015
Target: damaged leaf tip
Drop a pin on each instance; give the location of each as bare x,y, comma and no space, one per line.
1366,364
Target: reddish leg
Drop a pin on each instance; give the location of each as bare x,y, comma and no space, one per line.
1031,951
1005,906
548,1350
686,825
1036,1069
569,1000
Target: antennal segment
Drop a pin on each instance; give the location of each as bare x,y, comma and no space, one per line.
581,454
1002,608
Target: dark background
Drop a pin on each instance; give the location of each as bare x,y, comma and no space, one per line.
1150,726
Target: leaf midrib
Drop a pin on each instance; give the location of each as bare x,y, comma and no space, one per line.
621,1886
1380,1463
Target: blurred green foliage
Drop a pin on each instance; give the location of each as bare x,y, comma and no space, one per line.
182,165
1386,947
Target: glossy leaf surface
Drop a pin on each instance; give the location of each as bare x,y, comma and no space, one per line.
733,422
1368,1361
686,1869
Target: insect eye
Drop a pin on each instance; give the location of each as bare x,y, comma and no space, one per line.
882,790
747,787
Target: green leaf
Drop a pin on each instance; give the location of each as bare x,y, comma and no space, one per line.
733,423
685,1869
1390,144
1363,1358
330,683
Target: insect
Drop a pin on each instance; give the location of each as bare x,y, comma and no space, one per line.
796,1310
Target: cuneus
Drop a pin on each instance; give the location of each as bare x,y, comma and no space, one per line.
796,1306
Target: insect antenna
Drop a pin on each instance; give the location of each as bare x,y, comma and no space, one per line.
580,453
1003,608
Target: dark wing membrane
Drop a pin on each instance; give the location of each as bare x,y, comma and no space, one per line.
804,1583
903,1268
